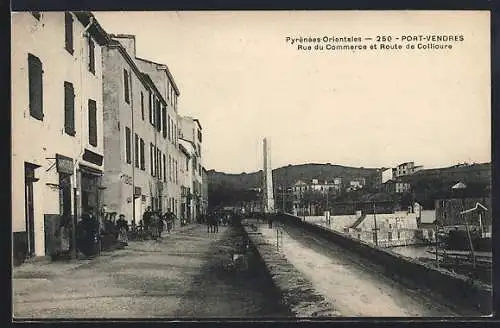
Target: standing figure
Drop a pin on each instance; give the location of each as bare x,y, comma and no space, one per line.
122,226
146,219
161,224
154,225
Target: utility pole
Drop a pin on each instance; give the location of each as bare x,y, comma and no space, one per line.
375,224
283,200
437,243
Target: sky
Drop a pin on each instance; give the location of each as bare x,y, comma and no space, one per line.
369,108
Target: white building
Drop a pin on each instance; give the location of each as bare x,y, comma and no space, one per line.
188,154
191,131
387,175
57,130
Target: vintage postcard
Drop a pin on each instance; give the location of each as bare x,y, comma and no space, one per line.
251,164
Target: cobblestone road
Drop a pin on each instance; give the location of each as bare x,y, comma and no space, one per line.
181,276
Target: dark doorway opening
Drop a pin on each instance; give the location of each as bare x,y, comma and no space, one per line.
29,180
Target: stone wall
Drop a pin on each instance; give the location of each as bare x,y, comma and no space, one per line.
297,292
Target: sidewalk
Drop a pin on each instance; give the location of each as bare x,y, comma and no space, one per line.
36,273
147,279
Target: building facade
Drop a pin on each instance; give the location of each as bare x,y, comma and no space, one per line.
405,169
57,131
187,171
204,191
135,137
191,131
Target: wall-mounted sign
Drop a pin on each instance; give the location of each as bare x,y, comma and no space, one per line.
127,179
64,164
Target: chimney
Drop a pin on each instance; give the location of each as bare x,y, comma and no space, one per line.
127,41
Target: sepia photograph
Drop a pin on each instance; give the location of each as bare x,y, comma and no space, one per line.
253,165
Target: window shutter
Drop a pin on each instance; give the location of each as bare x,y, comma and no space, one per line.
35,76
164,168
142,105
91,56
150,107
168,127
68,23
92,123
143,162
127,145
69,109
151,157
158,115
125,86
136,154
164,121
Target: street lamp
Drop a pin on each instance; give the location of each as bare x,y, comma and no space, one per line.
460,186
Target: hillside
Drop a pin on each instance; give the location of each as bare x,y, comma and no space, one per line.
427,185
287,175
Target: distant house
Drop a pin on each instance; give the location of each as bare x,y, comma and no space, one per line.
405,169
396,187
356,184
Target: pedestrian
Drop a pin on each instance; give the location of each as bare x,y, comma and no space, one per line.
161,225
146,218
154,225
122,226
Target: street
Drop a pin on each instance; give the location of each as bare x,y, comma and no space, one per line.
181,276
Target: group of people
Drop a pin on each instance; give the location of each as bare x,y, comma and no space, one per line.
216,218
153,222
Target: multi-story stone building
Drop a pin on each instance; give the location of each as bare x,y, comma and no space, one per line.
204,190
404,169
57,131
191,131
188,154
136,171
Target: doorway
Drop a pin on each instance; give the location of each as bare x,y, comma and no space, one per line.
29,180
138,208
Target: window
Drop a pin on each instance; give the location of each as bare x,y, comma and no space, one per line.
143,162
168,91
91,56
125,86
199,136
199,169
169,168
35,76
160,171
187,164
168,128
158,115
127,145
164,121
176,172
36,14
92,123
136,156
164,168
142,105
68,32
69,109
151,115
175,133
151,157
